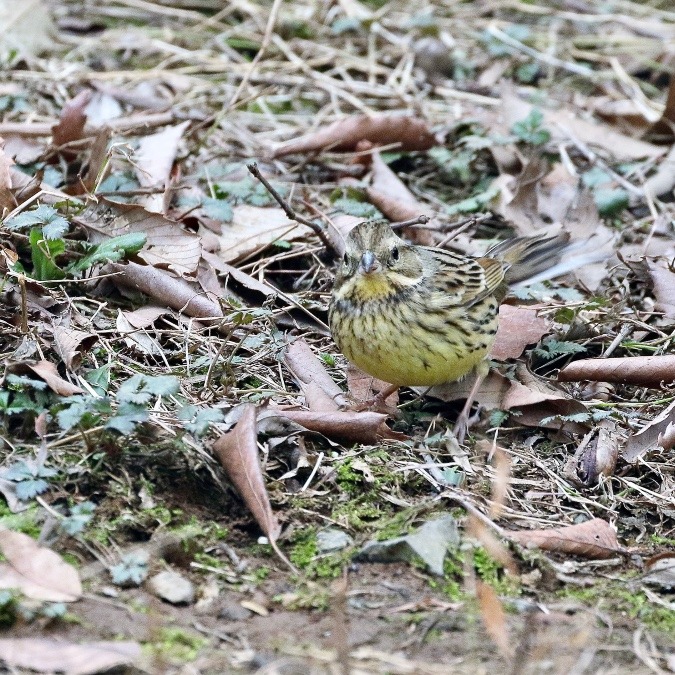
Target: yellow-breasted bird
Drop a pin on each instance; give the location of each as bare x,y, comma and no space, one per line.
420,316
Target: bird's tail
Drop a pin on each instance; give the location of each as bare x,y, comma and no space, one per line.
528,260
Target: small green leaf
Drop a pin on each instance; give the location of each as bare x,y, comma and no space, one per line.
54,226
554,348
43,253
530,129
218,209
198,421
127,418
353,207
140,389
111,250
611,201
79,518
132,570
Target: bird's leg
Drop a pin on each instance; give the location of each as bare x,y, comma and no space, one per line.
464,419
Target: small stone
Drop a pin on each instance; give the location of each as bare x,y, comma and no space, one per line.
233,611
173,588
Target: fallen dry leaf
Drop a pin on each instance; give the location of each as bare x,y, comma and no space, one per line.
661,182
70,126
321,393
37,572
407,133
596,455
594,539
363,387
237,451
46,371
168,244
255,227
663,130
355,427
51,656
663,279
518,327
145,316
7,201
644,371
390,195
136,339
154,160
535,399
71,344
650,436
165,289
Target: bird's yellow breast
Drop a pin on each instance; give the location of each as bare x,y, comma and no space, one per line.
408,343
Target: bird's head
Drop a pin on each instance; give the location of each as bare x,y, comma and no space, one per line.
377,263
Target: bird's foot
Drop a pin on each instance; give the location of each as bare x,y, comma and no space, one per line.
464,423
377,403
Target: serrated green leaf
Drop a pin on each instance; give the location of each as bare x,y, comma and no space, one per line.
127,418
53,225
28,489
555,348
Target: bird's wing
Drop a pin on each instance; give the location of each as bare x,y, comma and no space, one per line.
467,279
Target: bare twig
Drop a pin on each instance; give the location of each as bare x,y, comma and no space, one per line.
420,220
292,215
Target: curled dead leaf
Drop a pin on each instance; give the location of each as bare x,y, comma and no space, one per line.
321,393
71,344
594,539
644,371
165,289
237,451
650,436
407,133
46,371
37,572
389,194
596,455
356,427
70,126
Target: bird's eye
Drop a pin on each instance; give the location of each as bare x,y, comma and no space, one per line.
345,259
395,253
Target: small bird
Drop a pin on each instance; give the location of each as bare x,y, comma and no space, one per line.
421,316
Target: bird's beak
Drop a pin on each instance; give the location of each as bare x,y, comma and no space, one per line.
369,263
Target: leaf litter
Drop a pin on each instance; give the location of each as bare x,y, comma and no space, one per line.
162,257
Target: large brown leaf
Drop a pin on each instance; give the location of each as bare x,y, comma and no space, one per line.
593,539
51,656
237,451
407,133
518,327
37,572
168,244
644,371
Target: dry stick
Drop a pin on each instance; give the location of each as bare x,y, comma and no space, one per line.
420,220
290,213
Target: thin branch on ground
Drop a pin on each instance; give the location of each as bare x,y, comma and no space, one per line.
290,213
